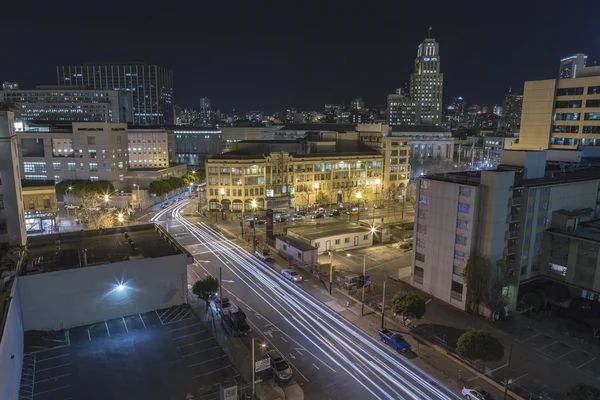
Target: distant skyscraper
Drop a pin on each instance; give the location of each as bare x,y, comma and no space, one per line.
570,65
205,114
426,82
357,104
511,112
151,86
401,110
10,85
498,110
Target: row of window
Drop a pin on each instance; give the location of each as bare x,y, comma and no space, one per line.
577,91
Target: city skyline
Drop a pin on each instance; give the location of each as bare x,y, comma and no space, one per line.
245,66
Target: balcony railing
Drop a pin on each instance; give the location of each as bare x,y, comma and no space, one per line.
456,296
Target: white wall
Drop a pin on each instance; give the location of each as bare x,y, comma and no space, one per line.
307,257
81,296
321,243
11,349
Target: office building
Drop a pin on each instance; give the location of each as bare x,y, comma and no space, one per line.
561,114
426,83
60,104
500,214
401,110
40,206
512,108
189,116
78,151
10,85
570,66
148,148
151,86
333,171
12,221
395,150
193,145
205,114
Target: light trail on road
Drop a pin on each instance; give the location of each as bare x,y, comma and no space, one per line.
350,351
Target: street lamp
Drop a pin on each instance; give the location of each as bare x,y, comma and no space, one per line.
139,201
69,189
330,271
222,192
262,346
120,217
254,205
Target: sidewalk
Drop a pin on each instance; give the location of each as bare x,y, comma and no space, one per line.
439,367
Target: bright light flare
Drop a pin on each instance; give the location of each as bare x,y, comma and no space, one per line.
120,287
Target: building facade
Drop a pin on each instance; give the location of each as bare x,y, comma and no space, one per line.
148,148
512,108
151,86
194,145
427,82
77,151
560,114
40,205
569,66
281,180
401,110
12,221
70,104
500,214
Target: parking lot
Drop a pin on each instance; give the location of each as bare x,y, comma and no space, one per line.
163,354
579,359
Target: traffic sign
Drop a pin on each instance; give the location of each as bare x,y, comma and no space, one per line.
262,365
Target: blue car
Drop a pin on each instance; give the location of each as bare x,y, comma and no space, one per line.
394,340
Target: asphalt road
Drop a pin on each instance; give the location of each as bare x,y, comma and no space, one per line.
332,358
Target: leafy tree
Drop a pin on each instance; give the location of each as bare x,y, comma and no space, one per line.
477,344
176,182
160,188
90,212
322,197
408,304
78,186
204,288
582,392
410,195
475,276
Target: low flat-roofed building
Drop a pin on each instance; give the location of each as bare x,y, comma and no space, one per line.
295,249
39,205
333,237
79,278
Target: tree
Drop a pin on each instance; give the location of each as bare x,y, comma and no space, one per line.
479,345
410,195
176,182
408,304
90,212
322,197
475,276
582,392
204,288
159,188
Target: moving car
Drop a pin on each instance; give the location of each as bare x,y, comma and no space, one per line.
279,366
394,340
71,207
353,211
334,213
317,215
281,219
378,206
476,394
264,255
298,217
291,275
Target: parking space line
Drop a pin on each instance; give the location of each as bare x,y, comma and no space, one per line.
89,334
183,327
124,323
204,362
107,331
541,348
537,334
181,320
172,319
52,358
569,352
158,317
51,390
48,369
168,313
191,344
213,371
201,351
184,336
143,323
587,362
53,378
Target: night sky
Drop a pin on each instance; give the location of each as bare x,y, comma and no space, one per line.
269,56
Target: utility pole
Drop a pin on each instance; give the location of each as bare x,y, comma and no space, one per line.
220,287
362,312
330,271
253,369
383,307
507,381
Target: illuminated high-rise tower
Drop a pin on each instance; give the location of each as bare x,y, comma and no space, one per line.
426,82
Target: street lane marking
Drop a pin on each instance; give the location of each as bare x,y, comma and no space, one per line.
314,365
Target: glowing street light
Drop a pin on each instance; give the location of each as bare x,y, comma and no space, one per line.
120,287
106,198
254,204
120,217
359,195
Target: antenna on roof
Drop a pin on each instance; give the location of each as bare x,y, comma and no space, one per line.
429,33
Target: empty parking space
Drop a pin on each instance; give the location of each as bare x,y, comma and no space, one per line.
578,358
558,350
540,341
524,333
591,369
169,351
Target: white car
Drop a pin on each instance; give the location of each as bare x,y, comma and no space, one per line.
71,207
291,275
298,217
476,394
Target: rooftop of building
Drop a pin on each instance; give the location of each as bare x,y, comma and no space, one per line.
312,232
418,129
102,246
554,175
26,183
320,127
347,148
589,230
295,243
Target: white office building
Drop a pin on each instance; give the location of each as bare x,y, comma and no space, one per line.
148,148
